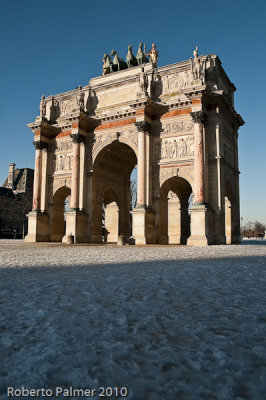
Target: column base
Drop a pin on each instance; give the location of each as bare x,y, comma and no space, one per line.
77,225
228,239
143,225
197,241
174,239
199,227
38,227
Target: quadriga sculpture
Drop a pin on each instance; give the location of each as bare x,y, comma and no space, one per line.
118,63
131,59
107,64
141,58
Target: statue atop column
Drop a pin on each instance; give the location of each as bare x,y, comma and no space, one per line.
143,83
43,107
80,98
153,55
198,67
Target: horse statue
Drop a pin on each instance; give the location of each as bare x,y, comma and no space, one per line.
118,63
141,58
107,64
131,59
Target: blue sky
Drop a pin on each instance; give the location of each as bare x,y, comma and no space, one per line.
48,47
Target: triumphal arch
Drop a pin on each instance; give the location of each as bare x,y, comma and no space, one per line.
176,123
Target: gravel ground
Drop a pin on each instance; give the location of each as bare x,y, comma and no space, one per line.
166,322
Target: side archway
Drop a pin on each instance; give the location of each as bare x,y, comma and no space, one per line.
174,226
59,205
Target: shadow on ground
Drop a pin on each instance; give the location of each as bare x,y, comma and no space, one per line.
174,329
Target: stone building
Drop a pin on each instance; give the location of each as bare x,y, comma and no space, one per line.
177,123
16,202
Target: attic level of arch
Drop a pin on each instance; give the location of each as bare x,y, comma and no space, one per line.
120,94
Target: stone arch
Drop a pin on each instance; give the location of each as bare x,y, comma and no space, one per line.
176,172
174,225
112,138
112,168
57,230
61,184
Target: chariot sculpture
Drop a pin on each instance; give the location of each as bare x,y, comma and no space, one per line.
118,64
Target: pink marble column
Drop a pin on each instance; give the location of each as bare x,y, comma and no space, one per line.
198,119
39,146
142,127
77,139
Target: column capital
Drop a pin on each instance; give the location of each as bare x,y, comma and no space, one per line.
199,117
77,138
39,145
143,126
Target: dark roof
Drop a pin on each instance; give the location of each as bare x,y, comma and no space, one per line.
23,179
6,192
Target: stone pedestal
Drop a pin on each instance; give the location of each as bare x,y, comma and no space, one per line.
38,228
143,225
112,222
76,225
198,226
174,221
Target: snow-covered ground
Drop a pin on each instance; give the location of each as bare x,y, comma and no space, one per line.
166,322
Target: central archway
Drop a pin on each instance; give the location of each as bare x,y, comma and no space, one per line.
111,186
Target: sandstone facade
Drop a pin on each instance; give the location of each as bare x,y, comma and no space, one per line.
177,124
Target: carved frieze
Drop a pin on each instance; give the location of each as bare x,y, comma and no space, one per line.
63,146
176,82
67,106
180,127
178,147
63,162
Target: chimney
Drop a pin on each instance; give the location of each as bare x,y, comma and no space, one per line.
11,175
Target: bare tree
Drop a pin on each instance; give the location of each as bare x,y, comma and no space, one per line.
253,229
133,193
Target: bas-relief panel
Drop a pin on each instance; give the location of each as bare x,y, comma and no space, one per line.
177,128
61,159
175,148
175,82
63,162
67,106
